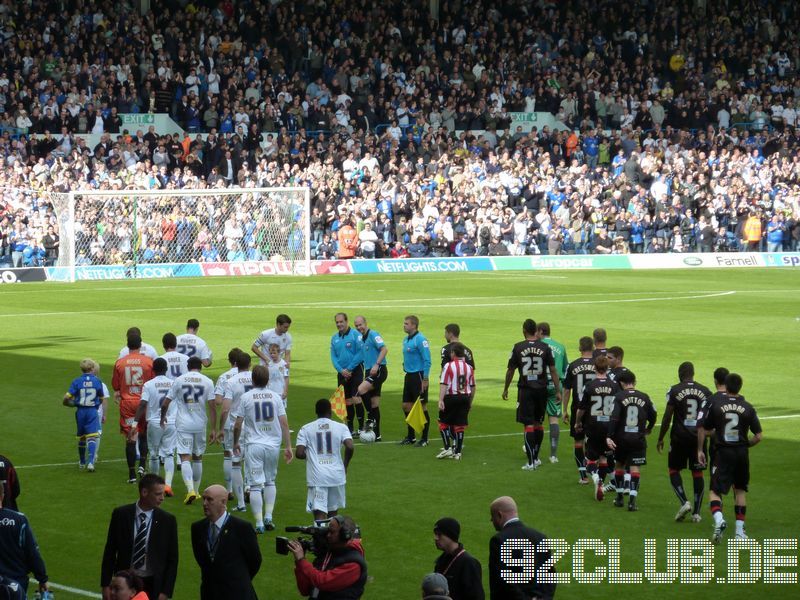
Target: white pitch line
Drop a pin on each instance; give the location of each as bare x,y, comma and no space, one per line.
362,278
387,443
71,590
359,303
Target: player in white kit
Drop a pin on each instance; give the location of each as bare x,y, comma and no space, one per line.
235,387
278,373
319,443
217,434
146,348
260,419
191,344
191,392
278,335
160,442
177,363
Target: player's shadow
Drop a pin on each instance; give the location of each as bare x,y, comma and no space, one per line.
49,342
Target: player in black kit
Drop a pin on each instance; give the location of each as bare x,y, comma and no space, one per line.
579,373
594,415
731,418
633,418
532,359
451,333
687,401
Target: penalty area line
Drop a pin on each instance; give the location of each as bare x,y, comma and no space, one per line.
357,304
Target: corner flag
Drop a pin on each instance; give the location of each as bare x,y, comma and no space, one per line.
338,404
416,418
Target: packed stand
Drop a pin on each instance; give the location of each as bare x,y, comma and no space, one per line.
681,124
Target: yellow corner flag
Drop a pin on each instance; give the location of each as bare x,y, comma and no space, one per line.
416,418
338,404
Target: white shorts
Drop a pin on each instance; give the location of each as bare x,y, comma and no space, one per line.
191,443
325,499
261,464
161,442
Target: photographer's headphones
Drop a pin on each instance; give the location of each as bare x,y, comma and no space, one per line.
345,532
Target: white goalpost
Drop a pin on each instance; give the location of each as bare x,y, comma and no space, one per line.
136,229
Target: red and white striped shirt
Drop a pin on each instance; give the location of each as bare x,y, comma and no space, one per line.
459,377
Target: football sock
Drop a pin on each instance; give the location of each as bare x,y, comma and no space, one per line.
627,484
153,464
459,440
634,485
82,450
237,483
530,441
97,447
142,446
375,415
580,459
257,505
699,488
427,425
538,437
602,471
360,414
677,485
619,478
351,413
197,473
270,493
226,472
91,446
554,432
169,470
591,468
740,516
186,475
130,457
444,431
716,511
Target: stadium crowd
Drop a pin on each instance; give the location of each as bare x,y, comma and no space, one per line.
680,125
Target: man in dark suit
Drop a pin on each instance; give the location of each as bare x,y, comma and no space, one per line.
506,521
226,550
144,538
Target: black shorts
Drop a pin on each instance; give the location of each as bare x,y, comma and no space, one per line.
683,454
573,413
412,388
631,455
351,385
731,468
456,409
596,446
376,381
531,404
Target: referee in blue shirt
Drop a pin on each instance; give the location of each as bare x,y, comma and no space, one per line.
417,365
347,359
374,351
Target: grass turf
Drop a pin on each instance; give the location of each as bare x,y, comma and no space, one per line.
747,320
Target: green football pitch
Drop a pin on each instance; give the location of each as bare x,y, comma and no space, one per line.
746,320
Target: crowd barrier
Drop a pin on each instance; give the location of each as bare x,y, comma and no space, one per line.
408,265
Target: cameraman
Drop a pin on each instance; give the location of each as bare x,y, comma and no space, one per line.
341,572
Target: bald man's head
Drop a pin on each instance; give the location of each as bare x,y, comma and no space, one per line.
501,510
215,501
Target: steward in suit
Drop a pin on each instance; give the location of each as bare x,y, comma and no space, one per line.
144,538
226,550
506,521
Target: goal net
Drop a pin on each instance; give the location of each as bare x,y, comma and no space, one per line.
213,228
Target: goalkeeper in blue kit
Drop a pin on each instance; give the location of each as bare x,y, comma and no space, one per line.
86,395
